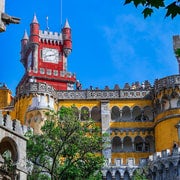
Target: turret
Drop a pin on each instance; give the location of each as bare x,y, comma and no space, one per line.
67,41
34,30
24,42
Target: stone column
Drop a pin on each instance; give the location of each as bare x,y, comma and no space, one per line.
35,58
178,131
105,125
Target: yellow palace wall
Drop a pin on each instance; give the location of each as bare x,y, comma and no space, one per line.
165,131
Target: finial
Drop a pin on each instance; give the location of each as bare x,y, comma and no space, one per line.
25,35
47,26
35,19
66,24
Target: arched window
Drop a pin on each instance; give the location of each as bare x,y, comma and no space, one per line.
84,113
115,114
126,175
127,144
148,113
108,176
9,147
117,175
136,113
126,114
149,144
116,144
138,143
96,114
76,111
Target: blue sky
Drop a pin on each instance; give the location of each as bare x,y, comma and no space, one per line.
112,43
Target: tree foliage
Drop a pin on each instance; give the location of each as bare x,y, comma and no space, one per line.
66,148
141,173
172,9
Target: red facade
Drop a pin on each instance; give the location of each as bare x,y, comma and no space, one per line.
44,56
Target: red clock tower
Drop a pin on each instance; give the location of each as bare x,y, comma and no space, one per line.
44,56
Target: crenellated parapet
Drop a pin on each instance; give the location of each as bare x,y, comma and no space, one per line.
166,83
12,125
51,37
36,88
43,88
165,164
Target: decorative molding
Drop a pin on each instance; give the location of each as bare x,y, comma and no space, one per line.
167,82
38,88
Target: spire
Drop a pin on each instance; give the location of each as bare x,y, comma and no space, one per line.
25,35
35,19
66,24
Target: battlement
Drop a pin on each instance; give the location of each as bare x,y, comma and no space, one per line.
50,36
12,125
165,154
167,82
43,88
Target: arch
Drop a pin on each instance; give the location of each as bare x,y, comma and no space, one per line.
8,143
96,114
136,113
127,144
158,106
178,169
76,111
165,102
163,172
115,113
178,103
126,175
117,175
148,113
126,113
138,143
149,143
84,113
108,176
155,173
171,172
116,144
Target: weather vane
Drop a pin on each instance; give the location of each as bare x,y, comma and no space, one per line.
47,26
61,12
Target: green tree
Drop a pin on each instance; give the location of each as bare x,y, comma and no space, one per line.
172,8
66,149
141,173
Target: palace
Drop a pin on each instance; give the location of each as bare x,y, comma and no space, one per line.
142,121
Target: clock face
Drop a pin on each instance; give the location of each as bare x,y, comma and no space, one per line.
50,55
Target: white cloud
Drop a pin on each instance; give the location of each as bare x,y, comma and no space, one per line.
141,48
